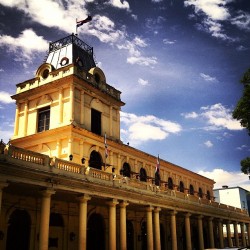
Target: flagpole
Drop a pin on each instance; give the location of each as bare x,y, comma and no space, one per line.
76,26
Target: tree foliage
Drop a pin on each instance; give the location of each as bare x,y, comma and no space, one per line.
245,166
242,110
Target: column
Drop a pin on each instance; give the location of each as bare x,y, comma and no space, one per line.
123,228
221,237
211,232
150,239
157,228
82,109
236,234
243,234
16,120
60,104
25,125
112,224
2,186
229,234
44,220
173,230
248,233
71,101
111,121
188,232
83,200
200,232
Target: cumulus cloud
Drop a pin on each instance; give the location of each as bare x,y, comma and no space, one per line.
223,177
208,78
138,129
242,20
135,56
191,115
168,41
119,4
215,14
142,82
208,144
25,46
5,97
216,117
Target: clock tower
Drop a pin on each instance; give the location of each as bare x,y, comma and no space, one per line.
68,108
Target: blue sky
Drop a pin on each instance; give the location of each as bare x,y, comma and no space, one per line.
178,64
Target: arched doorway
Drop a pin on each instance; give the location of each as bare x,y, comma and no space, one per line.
18,233
181,187
96,233
56,226
143,175
130,235
95,160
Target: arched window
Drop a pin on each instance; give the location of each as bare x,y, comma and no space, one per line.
95,160
181,187
126,170
200,193
170,183
191,189
143,175
208,195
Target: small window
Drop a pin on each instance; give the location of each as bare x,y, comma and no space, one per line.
208,195
43,119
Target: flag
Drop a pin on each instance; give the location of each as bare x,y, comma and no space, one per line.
80,23
157,167
106,146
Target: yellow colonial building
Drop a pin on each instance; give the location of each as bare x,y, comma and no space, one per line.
68,182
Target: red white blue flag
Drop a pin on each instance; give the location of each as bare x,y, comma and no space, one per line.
80,23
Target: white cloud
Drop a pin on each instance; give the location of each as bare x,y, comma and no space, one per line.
216,117
5,97
142,82
119,4
191,115
214,14
168,41
138,129
219,117
208,144
214,9
242,20
25,46
135,56
208,78
223,177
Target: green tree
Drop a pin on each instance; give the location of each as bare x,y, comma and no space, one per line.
242,109
245,166
242,114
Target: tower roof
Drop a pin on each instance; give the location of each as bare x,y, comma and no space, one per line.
69,50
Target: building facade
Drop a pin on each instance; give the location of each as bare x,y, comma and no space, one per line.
68,182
